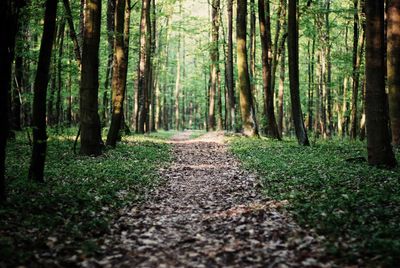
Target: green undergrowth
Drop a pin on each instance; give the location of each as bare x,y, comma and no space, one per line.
73,208
332,190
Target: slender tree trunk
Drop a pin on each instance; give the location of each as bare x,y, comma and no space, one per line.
250,127
119,74
214,63
379,149
69,86
9,11
154,71
72,32
60,45
91,143
143,70
393,66
329,118
111,7
358,47
229,68
281,90
293,48
252,50
36,168
271,128
19,85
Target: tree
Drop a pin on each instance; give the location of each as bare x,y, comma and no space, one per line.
229,69
91,143
9,11
250,127
271,128
143,68
293,49
358,48
393,68
36,168
119,73
214,55
379,149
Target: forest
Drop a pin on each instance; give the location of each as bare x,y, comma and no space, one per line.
199,133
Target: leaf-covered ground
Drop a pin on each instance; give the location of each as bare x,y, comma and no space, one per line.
209,213
356,206
60,222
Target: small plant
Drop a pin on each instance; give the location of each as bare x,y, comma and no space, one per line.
356,206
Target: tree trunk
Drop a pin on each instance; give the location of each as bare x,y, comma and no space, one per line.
393,66
60,45
119,74
111,7
19,85
72,32
143,70
91,143
252,50
358,47
36,168
293,48
281,90
9,10
379,149
250,127
271,128
214,63
229,68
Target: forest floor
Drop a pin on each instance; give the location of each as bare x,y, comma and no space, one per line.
208,213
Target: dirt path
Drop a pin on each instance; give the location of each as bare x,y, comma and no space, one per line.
208,214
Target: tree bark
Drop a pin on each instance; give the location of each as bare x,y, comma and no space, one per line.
36,168
379,149
9,11
229,68
358,47
393,66
91,143
72,32
214,55
293,48
143,70
250,127
271,128
119,74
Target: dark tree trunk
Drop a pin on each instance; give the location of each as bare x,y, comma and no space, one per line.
72,32
91,143
229,69
36,168
9,10
250,127
379,149
19,85
59,72
293,48
119,73
271,128
143,70
393,66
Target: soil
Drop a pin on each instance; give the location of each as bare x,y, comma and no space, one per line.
208,213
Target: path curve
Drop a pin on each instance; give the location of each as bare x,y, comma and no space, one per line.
209,213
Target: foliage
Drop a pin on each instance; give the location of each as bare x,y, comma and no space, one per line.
331,188
80,197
